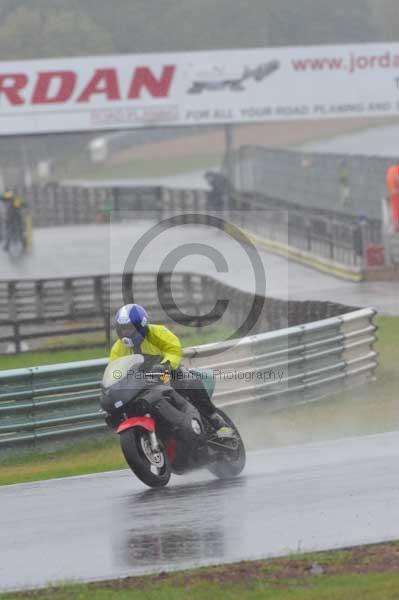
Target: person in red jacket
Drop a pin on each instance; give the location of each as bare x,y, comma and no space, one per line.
393,194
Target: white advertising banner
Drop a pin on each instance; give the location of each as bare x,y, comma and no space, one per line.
223,86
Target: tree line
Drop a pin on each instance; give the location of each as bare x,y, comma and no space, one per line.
55,28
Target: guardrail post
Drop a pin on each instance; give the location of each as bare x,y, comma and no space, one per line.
107,329
162,287
188,287
97,294
331,245
11,300
100,309
116,204
39,299
17,337
309,238
68,297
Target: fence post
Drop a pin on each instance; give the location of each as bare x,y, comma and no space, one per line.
17,337
116,204
188,287
107,329
97,293
162,287
39,298
68,297
309,238
331,244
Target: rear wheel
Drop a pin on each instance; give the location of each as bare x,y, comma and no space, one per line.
151,467
231,463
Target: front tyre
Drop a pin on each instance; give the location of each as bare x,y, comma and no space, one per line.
152,468
229,465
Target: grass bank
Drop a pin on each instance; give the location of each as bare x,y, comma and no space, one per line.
97,454
356,573
144,168
48,357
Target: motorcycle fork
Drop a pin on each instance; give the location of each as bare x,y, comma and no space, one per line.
153,439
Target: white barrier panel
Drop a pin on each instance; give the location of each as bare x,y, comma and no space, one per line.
223,86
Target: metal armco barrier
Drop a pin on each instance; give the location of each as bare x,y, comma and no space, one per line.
58,310
38,310
279,369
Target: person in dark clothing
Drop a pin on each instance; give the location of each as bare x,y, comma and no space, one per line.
14,219
220,188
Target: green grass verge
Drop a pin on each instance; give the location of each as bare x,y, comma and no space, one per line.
355,574
47,357
95,455
354,587
143,168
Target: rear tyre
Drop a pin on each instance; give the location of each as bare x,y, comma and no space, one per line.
226,467
152,468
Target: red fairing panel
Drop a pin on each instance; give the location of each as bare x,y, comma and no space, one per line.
171,450
145,422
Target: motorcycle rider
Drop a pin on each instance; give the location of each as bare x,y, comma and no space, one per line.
14,220
136,335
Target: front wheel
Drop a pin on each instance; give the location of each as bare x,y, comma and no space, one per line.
229,464
152,468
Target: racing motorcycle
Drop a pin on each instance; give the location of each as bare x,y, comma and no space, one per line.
153,451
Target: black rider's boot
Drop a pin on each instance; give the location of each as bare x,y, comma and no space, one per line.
222,429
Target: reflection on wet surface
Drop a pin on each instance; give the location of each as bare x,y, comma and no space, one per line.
173,545
172,524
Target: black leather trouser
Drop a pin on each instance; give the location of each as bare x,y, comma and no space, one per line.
191,387
172,413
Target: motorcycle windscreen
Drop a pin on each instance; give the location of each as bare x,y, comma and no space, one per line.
121,369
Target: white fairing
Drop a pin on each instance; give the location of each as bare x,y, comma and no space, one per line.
119,369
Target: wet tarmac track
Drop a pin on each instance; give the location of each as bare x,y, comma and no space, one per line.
100,249
308,497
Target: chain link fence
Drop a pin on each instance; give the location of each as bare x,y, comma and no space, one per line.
349,184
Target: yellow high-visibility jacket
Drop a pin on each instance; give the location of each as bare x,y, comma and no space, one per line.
159,340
